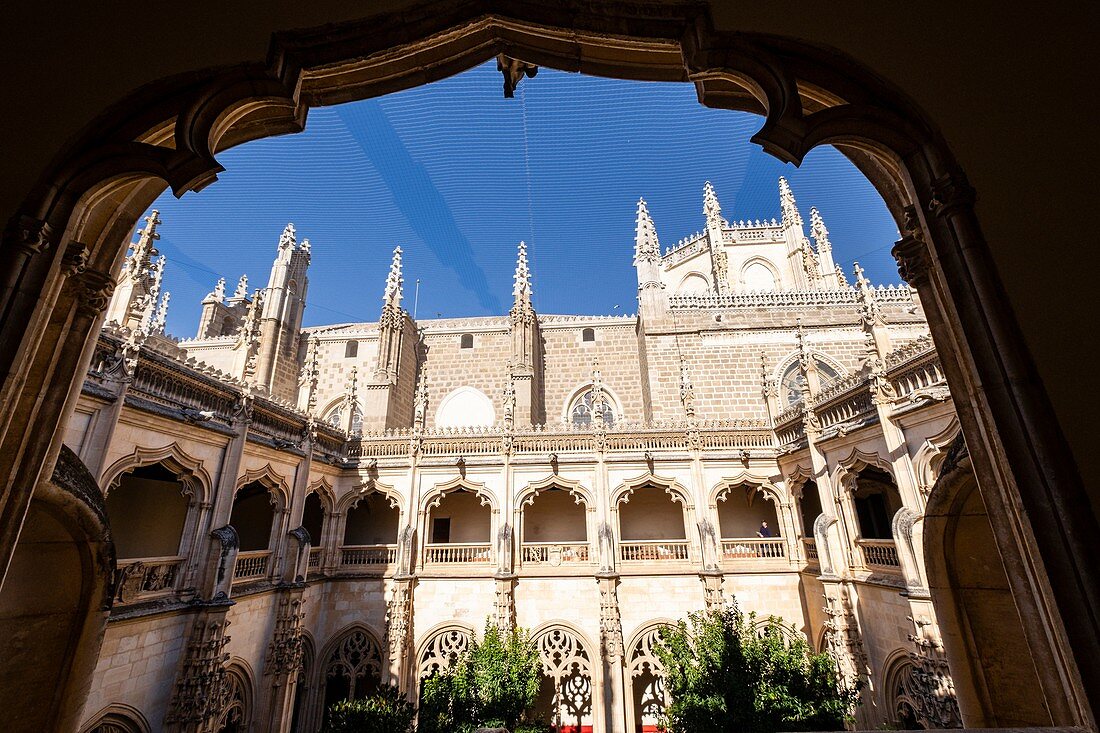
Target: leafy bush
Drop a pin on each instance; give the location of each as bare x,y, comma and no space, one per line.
386,711
723,674
494,684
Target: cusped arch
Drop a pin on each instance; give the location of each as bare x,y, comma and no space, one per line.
325,492
433,498
562,644
848,468
679,494
239,705
721,491
371,486
465,406
190,470
581,494
117,718
356,648
441,645
274,481
929,458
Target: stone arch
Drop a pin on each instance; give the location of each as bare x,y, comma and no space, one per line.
679,494
236,715
325,491
66,538
693,283
249,513
82,206
928,460
275,482
645,676
787,369
981,616
897,705
117,718
751,489
848,468
441,646
767,264
192,473
350,666
580,493
558,529
465,406
370,486
433,497
333,411
371,515
568,691
304,686
580,390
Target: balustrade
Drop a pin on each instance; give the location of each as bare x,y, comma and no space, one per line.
810,544
879,553
315,556
150,577
554,553
359,555
454,552
653,550
251,565
754,548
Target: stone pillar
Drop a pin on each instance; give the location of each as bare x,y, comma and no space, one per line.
399,613
224,493
201,691
283,663
615,698
844,641
505,607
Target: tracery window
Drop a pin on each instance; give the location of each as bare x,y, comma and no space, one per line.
354,669
234,716
792,381
588,406
336,418
566,693
647,681
443,650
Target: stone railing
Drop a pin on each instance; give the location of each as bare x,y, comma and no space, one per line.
555,553
885,294
754,548
456,552
365,555
316,555
879,553
653,550
251,565
920,373
809,546
147,578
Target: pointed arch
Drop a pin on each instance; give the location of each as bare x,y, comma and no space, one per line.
760,261
929,458
721,490
239,704
325,492
679,494
275,482
433,498
580,390
193,475
117,718
693,282
580,494
371,486
441,645
848,468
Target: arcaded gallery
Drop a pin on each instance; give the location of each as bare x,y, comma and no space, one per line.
561,323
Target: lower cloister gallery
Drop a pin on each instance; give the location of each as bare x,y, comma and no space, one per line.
232,530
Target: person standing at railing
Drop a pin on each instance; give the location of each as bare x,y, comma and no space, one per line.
764,531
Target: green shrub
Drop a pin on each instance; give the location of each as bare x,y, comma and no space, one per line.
723,674
385,711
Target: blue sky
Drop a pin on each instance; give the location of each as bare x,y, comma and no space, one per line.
456,175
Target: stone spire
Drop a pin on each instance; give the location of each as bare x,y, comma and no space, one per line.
824,248
217,295
242,288
787,204
646,246
420,400
351,402
875,331
248,340
135,299
521,281
287,239
841,280
392,294
768,386
161,317
600,403
811,381
711,208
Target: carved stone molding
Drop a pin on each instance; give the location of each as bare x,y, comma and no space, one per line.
92,290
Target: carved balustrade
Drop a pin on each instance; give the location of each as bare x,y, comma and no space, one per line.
147,578
252,565
358,556
879,553
316,558
653,550
754,548
556,554
809,545
456,552
891,295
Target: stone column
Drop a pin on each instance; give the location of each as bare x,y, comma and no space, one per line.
399,612
615,698
283,663
201,691
224,493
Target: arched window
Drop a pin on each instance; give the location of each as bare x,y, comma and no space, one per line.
590,405
253,516
694,284
351,349
372,521
313,518
647,681
465,407
565,695
876,501
442,651
791,383
809,508
459,517
742,513
652,526
353,669
588,334
336,418
466,341
555,529
234,717
758,277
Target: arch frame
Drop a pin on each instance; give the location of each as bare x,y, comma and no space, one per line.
720,491
193,475
580,389
791,359
848,468
70,224
580,493
679,494
693,274
767,264
325,492
362,489
118,713
275,482
434,497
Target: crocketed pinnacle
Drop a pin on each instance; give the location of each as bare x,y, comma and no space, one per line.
392,293
711,208
787,204
140,261
287,239
646,246
818,231
521,281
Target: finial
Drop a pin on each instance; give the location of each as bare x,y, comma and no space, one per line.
149,233
287,239
840,278
818,231
861,280
521,281
787,204
242,288
711,209
646,246
392,293
218,293
305,246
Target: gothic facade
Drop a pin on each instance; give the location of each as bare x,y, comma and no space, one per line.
302,514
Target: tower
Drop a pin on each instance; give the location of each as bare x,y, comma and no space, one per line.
647,262
524,367
284,301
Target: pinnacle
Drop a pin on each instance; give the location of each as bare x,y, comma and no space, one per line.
521,281
711,207
287,239
393,280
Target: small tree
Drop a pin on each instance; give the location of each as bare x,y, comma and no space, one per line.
385,711
493,684
723,674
